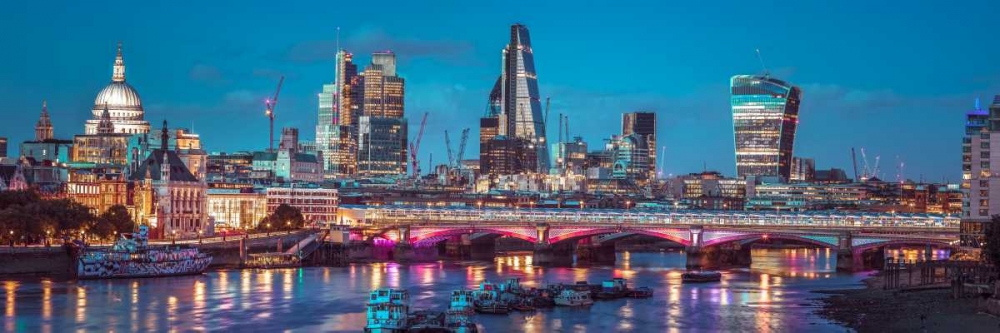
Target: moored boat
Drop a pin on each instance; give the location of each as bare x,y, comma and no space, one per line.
458,318
571,297
387,311
132,257
641,292
614,288
701,276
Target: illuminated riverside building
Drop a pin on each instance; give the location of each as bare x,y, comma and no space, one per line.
803,170
318,205
571,156
168,196
797,197
103,146
982,131
520,104
382,88
98,187
236,209
765,116
122,103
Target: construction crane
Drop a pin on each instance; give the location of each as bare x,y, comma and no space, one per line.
868,172
663,158
461,147
415,145
447,144
269,105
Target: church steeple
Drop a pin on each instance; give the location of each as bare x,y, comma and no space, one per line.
119,74
105,126
43,129
164,136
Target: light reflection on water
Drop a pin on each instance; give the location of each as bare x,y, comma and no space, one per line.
772,295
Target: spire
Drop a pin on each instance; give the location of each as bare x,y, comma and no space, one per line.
119,74
979,107
106,126
164,137
43,129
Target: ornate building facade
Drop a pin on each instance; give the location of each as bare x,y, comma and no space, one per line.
168,197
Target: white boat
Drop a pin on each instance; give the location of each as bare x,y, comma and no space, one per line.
569,297
131,257
387,311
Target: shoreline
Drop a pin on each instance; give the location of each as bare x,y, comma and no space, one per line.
872,309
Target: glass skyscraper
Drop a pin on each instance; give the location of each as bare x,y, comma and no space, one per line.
521,107
765,115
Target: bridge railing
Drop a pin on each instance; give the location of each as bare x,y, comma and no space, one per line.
610,216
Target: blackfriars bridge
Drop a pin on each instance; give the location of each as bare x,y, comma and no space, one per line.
711,238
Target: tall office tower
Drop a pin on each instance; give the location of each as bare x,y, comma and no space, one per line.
336,135
381,130
520,107
325,127
983,192
765,115
380,146
383,89
643,124
347,105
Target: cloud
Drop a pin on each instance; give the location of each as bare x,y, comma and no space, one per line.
206,73
370,40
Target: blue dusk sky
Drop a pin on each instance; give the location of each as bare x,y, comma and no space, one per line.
894,77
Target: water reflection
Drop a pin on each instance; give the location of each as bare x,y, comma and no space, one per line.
771,295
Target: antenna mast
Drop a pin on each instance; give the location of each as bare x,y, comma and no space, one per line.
761,59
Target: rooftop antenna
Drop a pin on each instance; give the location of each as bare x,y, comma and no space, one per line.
761,59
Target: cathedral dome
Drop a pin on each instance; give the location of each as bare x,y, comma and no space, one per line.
118,96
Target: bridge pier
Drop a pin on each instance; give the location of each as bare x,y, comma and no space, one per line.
715,257
594,252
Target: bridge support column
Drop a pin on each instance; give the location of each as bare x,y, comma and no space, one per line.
722,256
457,247
483,249
845,253
593,251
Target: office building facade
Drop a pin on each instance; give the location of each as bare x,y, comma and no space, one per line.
765,117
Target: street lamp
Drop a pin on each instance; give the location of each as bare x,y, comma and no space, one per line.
12,238
199,236
288,226
627,204
269,229
173,240
48,234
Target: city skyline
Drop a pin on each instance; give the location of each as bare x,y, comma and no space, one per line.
694,121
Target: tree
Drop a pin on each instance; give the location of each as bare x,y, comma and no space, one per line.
284,216
991,240
115,219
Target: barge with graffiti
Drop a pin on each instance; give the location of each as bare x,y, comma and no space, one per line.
132,257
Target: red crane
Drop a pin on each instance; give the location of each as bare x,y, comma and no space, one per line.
269,105
415,146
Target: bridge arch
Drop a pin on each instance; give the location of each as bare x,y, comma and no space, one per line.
888,242
821,241
576,234
434,235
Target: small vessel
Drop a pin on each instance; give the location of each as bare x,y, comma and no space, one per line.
487,299
614,288
458,318
427,322
521,307
701,276
387,311
571,297
641,292
132,257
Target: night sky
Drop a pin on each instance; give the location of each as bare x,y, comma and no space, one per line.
896,78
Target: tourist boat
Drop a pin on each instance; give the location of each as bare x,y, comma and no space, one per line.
614,288
387,311
458,318
491,307
571,297
132,257
701,276
641,292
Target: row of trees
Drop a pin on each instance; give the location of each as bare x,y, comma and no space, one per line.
26,217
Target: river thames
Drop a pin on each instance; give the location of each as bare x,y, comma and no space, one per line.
775,294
